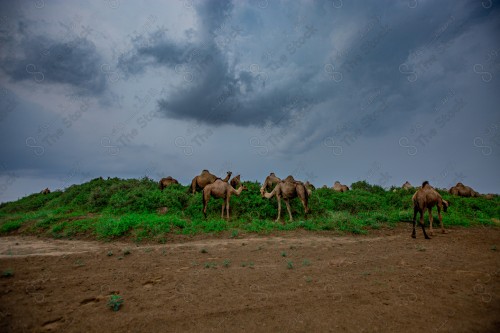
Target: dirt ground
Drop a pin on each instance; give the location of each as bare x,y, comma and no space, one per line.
283,282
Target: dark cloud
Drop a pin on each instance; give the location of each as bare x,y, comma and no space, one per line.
44,60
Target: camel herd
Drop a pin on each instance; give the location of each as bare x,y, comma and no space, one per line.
425,198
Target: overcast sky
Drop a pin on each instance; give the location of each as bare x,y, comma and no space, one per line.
385,91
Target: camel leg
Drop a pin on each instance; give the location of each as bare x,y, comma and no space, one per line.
441,221
279,209
205,204
223,206
431,219
415,211
422,223
287,202
227,208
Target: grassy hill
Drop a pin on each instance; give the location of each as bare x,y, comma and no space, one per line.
108,209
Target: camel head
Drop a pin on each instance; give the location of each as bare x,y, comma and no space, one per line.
446,204
229,173
425,183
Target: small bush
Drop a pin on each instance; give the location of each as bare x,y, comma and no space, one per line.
115,302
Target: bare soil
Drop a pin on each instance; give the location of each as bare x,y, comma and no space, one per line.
283,282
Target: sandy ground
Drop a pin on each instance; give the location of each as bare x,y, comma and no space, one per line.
283,282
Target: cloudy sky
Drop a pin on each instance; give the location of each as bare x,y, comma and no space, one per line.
385,91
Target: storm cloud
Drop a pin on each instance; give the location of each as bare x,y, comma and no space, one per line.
324,90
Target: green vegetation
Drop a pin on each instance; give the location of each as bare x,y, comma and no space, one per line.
114,208
7,273
115,302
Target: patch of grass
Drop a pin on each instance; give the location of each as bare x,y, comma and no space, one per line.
493,248
306,262
421,248
113,208
115,302
226,263
203,250
283,254
79,263
110,253
7,273
210,265
126,251
289,264
10,226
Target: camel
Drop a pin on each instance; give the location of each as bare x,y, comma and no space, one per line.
222,190
164,182
310,187
426,198
270,182
463,191
407,186
235,182
339,187
289,190
46,191
205,178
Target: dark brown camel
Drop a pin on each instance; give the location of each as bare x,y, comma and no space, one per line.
426,198
289,190
236,181
165,182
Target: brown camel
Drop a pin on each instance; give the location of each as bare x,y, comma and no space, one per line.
270,182
222,190
407,186
235,182
46,191
164,182
205,178
463,191
289,190
426,198
339,187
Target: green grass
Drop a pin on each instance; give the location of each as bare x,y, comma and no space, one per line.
117,208
115,302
